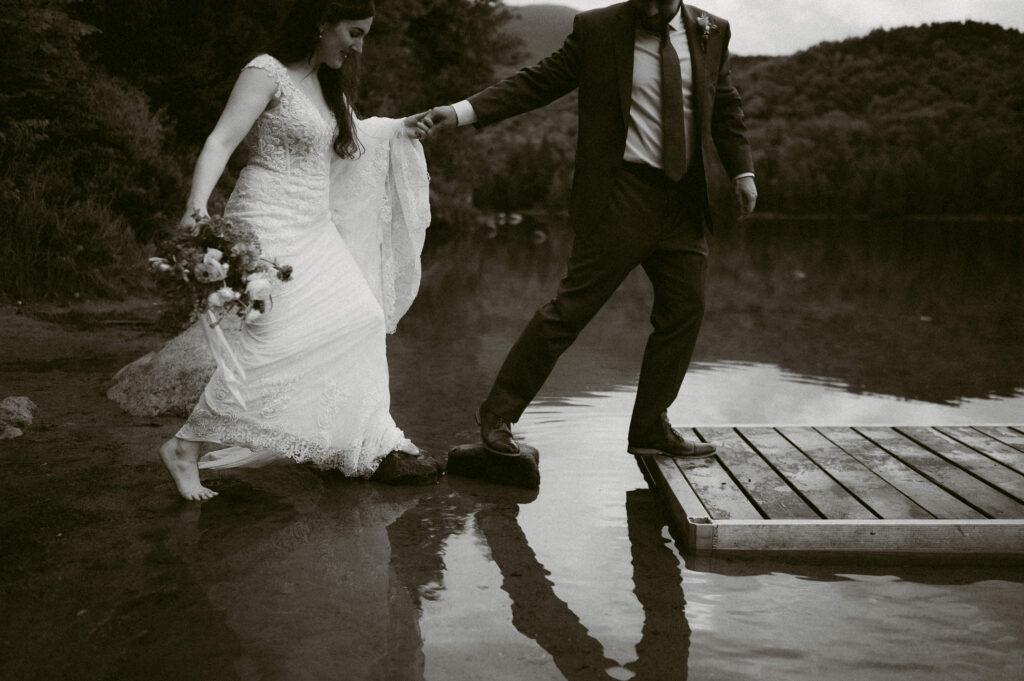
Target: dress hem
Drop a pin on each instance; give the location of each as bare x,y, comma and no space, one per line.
217,429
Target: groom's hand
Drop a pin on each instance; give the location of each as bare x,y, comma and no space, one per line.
443,118
746,195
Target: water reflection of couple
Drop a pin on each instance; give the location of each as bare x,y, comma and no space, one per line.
657,111
335,590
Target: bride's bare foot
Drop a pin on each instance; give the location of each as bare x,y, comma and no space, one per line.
181,459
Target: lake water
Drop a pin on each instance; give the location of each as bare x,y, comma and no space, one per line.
294,574
808,323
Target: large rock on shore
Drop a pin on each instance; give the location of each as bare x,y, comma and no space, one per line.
476,461
168,381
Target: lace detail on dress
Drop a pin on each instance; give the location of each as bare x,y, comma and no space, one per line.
330,401
206,425
388,186
275,395
291,136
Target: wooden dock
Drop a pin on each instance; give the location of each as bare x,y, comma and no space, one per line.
896,491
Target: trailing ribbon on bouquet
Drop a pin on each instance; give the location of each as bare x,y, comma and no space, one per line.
231,368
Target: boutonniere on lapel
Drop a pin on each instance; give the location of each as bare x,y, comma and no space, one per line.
706,28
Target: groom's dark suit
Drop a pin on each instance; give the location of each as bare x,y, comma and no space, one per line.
624,213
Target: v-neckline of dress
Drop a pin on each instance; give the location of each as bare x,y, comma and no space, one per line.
328,122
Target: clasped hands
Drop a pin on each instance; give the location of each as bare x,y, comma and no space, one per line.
428,123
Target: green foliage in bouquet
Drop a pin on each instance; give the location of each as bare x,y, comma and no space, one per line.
217,268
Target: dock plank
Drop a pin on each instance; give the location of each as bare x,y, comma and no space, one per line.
1005,434
872,489
941,441
922,491
719,493
769,491
993,448
968,488
830,498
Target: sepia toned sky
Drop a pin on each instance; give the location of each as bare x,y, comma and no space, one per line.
785,26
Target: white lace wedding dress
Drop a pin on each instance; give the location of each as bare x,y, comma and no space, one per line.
315,386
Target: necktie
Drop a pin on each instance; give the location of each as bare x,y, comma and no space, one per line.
673,136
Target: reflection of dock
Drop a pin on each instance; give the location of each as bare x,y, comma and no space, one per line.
864,490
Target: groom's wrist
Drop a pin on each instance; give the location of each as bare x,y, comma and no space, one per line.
464,113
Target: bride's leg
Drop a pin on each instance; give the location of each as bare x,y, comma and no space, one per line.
181,457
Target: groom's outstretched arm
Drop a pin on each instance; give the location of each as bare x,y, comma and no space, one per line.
530,88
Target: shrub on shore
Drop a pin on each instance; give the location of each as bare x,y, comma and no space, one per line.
84,165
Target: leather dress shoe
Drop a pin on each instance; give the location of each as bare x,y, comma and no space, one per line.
496,433
672,444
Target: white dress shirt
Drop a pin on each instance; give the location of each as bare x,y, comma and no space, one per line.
643,140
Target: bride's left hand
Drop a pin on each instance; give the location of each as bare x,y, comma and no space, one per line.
418,125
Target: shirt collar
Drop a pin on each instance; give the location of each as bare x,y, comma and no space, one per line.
676,22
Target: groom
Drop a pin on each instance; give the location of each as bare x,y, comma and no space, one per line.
657,111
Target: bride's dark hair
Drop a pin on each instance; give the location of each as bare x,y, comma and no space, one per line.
297,40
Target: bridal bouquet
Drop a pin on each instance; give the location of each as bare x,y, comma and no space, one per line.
219,270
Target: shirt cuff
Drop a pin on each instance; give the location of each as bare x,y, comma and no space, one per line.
739,176
464,112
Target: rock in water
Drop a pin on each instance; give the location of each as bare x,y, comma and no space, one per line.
399,469
9,432
168,381
476,461
16,412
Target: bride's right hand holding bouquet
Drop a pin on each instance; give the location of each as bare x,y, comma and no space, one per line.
218,266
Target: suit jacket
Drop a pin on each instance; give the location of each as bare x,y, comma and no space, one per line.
597,58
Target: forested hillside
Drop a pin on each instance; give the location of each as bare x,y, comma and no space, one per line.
86,164
105,103
911,120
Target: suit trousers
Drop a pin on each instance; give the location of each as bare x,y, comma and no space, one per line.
649,222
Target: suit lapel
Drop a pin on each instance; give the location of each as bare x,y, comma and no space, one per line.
624,39
697,58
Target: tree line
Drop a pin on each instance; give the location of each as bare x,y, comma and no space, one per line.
104,105
925,120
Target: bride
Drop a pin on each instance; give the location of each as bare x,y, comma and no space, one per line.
345,203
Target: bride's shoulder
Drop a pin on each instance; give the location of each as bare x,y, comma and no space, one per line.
273,75
266,62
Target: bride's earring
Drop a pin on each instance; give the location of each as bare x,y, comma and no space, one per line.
316,45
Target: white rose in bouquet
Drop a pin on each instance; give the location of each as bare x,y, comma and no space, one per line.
222,297
258,287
